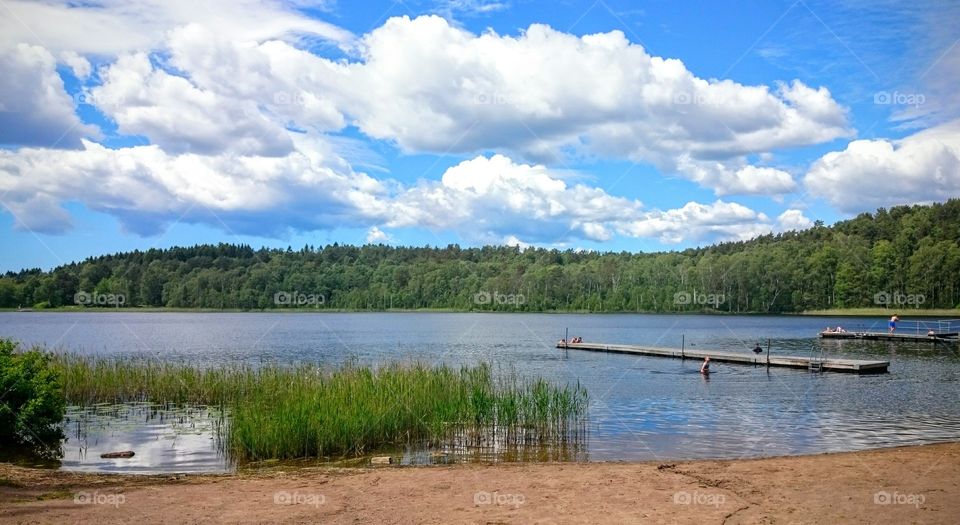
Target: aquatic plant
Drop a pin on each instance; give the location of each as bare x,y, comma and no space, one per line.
303,411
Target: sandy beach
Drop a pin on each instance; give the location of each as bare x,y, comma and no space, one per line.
899,485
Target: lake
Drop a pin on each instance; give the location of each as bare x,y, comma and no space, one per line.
641,408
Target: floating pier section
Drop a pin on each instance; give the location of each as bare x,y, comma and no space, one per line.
908,331
857,366
886,336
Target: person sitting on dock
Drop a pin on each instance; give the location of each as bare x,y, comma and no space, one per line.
757,349
893,323
705,367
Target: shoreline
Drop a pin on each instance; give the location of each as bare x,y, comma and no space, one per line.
918,483
853,312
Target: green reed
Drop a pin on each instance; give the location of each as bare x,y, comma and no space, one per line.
304,411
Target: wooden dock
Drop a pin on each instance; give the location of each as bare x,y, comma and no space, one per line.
939,337
856,366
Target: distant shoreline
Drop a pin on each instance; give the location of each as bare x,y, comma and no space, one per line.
834,312
880,312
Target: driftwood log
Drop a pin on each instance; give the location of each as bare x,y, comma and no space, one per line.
123,454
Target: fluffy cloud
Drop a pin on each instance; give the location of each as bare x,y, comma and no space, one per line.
289,84
495,198
492,198
179,117
79,65
111,27
429,86
376,235
38,213
793,220
485,199
695,221
146,188
869,174
35,109
218,101
745,180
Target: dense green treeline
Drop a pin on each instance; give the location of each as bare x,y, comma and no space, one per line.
904,257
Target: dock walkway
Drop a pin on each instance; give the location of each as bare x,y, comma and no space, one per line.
858,366
886,336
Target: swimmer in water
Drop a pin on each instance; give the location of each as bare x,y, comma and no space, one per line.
705,367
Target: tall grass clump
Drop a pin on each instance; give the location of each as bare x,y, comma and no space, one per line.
283,412
90,380
353,411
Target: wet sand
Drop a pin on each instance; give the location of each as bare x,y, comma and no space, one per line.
898,485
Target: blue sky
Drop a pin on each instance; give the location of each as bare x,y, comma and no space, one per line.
603,125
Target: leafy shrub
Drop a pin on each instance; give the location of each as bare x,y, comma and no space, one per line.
32,403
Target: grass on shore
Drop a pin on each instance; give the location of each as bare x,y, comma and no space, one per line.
950,313
278,412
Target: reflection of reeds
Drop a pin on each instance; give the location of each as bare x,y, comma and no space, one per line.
566,442
300,411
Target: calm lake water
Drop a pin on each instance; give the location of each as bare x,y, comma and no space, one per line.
641,408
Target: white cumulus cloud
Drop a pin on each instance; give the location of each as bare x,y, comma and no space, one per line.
111,27
35,110
430,86
242,122
376,235
147,188
793,220
719,220
492,199
868,174
180,117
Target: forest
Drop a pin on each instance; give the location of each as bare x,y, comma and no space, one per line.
901,258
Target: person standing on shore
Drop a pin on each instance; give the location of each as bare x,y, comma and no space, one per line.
893,323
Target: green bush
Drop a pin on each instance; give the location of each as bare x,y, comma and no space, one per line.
32,403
